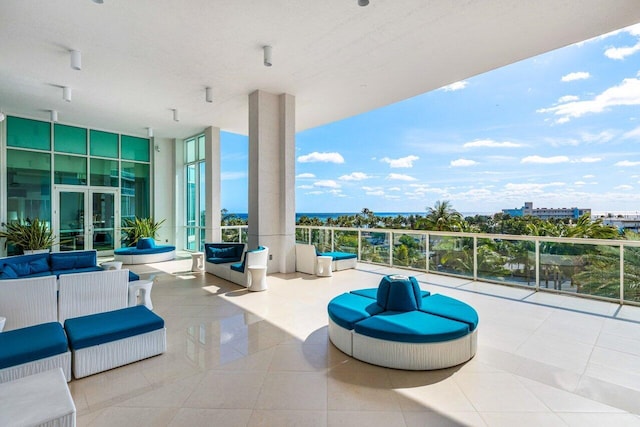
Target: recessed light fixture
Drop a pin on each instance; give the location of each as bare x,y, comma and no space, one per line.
76,60
54,115
208,94
150,132
267,56
360,2
66,93
176,115
98,1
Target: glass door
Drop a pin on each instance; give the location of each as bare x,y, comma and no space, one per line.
86,219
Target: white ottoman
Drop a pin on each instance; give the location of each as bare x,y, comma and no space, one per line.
40,399
323,266
144,288
197,261
258,278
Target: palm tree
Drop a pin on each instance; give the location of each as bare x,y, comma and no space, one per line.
442,217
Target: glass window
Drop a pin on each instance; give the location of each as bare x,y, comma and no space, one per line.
135,190
191,195
201,147
191,150
69,139
133,148
70,170
202,194
25,133
103,144
104,172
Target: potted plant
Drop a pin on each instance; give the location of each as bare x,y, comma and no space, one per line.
135,228
31,235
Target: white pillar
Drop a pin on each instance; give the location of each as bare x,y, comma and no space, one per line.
272,178
212,184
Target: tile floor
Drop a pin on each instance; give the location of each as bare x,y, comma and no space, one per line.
236,358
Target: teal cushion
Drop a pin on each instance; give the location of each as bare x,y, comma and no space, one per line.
133,276
227,253
444,306
31,343
62,260
58,273
347,309
411,326
221,260
86,259
373,293
101,328
7,272
21,268
399,293
136,251
238,266
39,265
145,243
339,256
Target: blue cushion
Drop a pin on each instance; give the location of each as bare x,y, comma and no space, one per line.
238,266
62,261
21,268
399,293
222,260
38,265
73,259
347,309
7,272
339,256
86,259
133,276
443,306
373,293
227,253
211,251
101,328
32,343
41,274
411,326
136,251
146,243
58,273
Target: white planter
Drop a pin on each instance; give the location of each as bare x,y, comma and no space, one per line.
36,251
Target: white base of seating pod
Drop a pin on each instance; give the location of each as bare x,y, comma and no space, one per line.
404,355
91,360
26,369
145,258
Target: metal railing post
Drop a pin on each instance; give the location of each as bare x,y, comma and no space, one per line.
333,240
621,273
475,258
537,246
391,248
428,249
359,245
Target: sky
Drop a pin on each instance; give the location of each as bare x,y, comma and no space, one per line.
560,129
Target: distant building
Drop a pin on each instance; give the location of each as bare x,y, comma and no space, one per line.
546,213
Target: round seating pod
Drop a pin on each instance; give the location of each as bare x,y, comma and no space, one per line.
403,327
145,252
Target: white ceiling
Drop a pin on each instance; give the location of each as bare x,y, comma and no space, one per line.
142,58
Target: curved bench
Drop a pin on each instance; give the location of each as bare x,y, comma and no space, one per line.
400,326
145,252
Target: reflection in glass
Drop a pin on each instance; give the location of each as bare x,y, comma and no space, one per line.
103,210
70,170
71,221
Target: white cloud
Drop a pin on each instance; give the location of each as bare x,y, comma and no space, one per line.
489,143
394,189
400,177
375,193
321,157
228,176
305,175
326,183
579,75
623,187
314,192
365,188
461,163
588,176
627,163
579,183
545,160
626,93
354,176
524,187
635,134
587,160
621,52
305,187
604,136
567,98
455,86
402,162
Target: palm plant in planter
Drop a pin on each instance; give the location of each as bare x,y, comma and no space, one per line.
135,228
31,235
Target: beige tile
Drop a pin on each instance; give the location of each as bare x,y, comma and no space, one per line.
365,419
443,419
522,419
134,417
599,420
226,390
190,417
269,418
293,391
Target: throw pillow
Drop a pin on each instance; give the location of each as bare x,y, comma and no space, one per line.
38,266
7,272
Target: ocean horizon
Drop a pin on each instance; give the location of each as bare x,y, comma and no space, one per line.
323,216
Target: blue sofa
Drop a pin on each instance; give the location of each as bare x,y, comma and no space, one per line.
229,261
400,326
145,252
51,264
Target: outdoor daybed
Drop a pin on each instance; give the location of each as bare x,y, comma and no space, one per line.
399,326
145,252
230,261
307,259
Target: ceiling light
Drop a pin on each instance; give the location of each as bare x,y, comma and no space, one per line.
267,56
150,132
76,60
208,94
176,116
2,116
363,2
98,1
66,93
54,115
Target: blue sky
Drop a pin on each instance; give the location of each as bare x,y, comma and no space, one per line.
560,130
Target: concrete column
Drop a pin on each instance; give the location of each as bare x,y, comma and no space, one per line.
213,232
272,209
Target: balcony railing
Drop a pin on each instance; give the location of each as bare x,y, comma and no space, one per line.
600,269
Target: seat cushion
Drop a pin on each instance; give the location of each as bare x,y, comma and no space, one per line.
100,328
411,326
338,256
7,272
373,293
31,343
136,251
347,309
133,276
24,265
74,259
222,260
444,306
77,270
238,266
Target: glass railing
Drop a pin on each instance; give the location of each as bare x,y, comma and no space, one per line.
601,269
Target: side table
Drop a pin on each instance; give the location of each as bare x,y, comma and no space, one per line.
323,266
144,288
197,261
257,278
